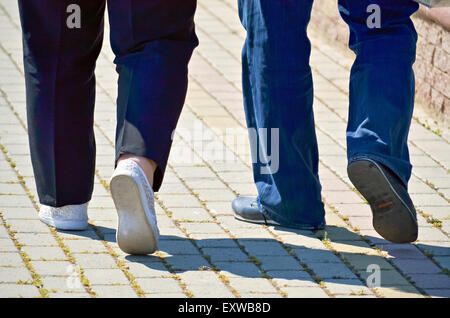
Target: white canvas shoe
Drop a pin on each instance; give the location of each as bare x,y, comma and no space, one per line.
68,217
137,231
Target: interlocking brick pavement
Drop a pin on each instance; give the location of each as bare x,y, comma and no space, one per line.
204,251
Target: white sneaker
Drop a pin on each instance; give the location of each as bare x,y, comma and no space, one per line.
137,231
68,217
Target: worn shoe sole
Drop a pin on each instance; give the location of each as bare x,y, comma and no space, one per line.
135,235
393,219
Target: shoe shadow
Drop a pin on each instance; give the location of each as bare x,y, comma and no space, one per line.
294,264
304,259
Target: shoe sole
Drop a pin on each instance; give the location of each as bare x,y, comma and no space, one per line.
65,225
392,218
134,233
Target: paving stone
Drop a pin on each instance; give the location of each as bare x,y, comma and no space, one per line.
202,228
388,278
438,293
19,213
36,239
97,276
399,292
114,291
337,271
166,295
263,247
252,285
190,214
14,274
4,233
347,287
53,268
296,278
402,251
69,295
85,246
353,247
159,285
7,245
101,260
152,269
11,259
431,280
362,262
63,284
221,254
414,266
305,292
187,262
44,253
18,291
178,247
238,269
279,263
206,284
28,226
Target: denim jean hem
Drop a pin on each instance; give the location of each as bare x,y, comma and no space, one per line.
282,222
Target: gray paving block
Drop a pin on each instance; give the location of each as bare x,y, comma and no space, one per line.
7,245
239,269
53,268
263,247
18,291
305,292
426,281
157,285
438,293
114,291
11,259
178,247
331,270
316,256
14,274
151,269
252,285
44,252
28,226
98,276
101,260
63,284
279,263
221,254
347,287
36,239
295,278
85,246
414,266
187,262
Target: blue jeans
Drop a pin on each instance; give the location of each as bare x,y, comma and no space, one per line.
278,93
152,40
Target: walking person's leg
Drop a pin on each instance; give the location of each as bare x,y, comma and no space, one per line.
381,107
59,61
278,97
153,41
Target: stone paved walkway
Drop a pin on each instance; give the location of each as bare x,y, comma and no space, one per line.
204,251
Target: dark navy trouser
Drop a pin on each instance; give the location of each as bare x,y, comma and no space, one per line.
278,94
153,41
